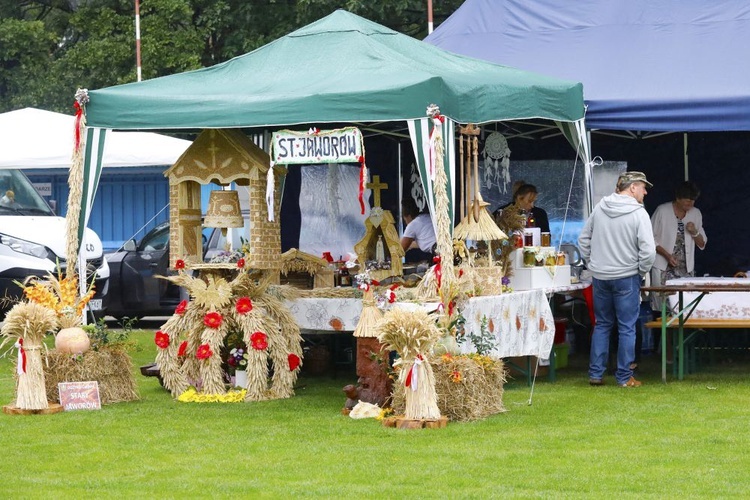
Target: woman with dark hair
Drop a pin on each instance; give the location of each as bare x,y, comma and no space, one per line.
419,235
678,229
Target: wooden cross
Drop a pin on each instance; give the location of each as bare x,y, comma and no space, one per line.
376,187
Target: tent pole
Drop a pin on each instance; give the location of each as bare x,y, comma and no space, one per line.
400,193
138,40
430,24
685,154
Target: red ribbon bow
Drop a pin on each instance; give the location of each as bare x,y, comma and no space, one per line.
21,367
411,377
79,115
438,271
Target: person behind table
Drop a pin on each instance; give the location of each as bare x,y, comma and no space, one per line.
678,229
617,242
524,197
419,235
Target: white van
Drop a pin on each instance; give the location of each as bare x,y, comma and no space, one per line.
32,242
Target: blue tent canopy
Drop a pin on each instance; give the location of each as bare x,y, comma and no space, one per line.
649,65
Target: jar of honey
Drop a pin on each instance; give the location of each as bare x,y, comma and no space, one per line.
560,258
546,239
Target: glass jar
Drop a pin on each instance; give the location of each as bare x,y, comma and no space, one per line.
529,257
550,260
546,239
560,258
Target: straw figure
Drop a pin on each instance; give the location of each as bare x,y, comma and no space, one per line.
190,341
512,221
27,323
370,315
412,334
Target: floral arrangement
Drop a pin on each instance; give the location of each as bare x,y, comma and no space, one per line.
59,293
237,359
191,395
384,297
233,256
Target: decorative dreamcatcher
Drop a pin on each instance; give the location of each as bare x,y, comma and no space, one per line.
496,155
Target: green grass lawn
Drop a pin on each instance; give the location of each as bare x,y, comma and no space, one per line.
659,441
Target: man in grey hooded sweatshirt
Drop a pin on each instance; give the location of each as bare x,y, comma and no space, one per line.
617,242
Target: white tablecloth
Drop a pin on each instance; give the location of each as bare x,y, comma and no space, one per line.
326,314
716,305
521,322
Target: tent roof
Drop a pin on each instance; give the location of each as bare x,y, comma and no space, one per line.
340,69
34,138
652,65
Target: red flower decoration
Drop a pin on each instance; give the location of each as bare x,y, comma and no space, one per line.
244,305
161,339
181,308
180,264
183,348
293,362
212,320
204,352
259,341
241,263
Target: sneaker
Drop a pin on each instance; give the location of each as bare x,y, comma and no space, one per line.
631,383
596,381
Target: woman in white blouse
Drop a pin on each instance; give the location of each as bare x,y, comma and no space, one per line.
678,229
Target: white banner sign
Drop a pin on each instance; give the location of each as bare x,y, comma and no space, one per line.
342,145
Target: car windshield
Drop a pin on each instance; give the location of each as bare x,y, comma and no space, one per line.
18,196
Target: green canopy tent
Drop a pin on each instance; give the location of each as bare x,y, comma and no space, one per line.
340,69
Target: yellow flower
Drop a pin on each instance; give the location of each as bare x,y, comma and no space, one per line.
191,395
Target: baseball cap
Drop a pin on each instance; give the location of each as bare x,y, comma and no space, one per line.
633,176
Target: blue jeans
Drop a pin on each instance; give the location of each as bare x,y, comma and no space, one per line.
616,302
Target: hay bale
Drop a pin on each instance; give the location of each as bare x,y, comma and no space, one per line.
469,387
110,366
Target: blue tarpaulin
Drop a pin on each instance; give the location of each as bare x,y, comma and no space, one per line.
650,65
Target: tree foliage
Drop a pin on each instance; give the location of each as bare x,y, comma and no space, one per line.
49,48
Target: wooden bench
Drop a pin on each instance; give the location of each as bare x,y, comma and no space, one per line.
702,323
685,344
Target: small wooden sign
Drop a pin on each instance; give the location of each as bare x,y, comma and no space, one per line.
80,395
343,145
